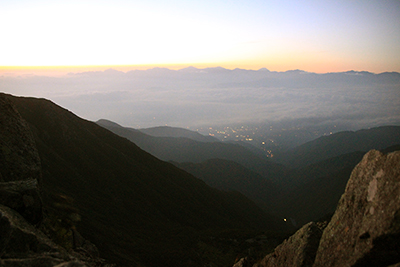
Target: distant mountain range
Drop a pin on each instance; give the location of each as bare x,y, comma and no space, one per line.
219,76
137,209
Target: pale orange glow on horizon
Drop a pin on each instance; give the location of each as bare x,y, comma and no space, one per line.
54,71
58,37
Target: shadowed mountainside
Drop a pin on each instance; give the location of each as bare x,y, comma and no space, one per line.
312,193
33,234
231,176
134,207
340,143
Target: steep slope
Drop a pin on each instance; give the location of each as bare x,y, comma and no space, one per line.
231,176
134,207
341,143
188,150
23,217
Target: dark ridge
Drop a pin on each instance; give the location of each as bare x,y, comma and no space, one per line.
134,207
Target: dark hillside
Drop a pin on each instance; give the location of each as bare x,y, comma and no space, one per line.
341,143
134,207
312,193
231,176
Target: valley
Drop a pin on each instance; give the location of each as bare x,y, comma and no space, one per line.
304,183
173,197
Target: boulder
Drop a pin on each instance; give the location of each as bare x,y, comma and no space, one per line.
297,251
365,229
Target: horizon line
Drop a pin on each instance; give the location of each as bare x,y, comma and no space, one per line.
66,69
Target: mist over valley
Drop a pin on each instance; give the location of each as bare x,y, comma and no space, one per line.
217,97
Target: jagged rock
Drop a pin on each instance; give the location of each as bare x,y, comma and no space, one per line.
20,168
19,239
365,229
21,244
297,250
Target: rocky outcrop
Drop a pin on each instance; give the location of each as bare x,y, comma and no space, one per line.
365,229
22,243
298,250
24,197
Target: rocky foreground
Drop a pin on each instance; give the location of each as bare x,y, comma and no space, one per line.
364,230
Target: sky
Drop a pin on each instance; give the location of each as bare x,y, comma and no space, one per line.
315,36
